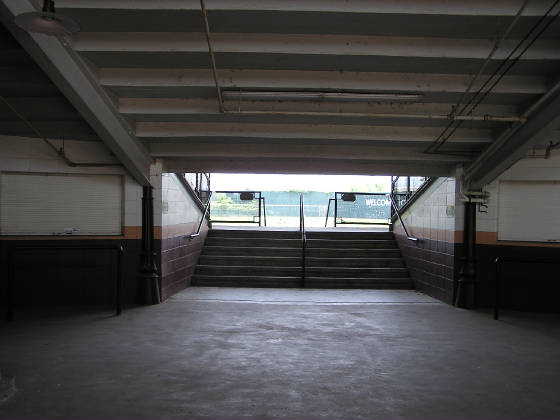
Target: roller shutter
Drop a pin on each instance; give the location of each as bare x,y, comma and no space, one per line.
57,204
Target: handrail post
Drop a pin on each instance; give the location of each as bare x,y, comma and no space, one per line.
497,290
335,208
10,288
260,217
120,252
303,237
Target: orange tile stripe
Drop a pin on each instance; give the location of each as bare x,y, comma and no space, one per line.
491,238
129,232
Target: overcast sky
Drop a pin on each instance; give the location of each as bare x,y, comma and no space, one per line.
275,182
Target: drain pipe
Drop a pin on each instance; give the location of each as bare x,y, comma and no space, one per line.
212,56
465,290
148,273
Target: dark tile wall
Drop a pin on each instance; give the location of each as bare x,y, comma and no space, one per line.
179,256
432,265
68,277
526,286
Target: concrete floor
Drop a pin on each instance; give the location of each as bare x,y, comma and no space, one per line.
263,354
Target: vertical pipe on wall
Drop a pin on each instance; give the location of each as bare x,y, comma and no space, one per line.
465,296
149,278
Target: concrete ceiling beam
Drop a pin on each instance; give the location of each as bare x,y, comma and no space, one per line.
185,106
540,129
307,166
300,44
315,151
311,131
71,76
316,80
428,7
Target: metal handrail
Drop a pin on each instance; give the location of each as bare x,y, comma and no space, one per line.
204,213
12,271
328,210
410,194
498,282
395,207
303,237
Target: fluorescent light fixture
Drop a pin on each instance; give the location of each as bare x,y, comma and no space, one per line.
319,96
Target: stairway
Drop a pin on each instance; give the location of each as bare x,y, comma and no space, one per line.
250,258
354,260
337,259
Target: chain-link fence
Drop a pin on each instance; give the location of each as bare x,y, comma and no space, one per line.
237,207
359,208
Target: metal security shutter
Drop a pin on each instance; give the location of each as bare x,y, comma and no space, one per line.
529,211
47,204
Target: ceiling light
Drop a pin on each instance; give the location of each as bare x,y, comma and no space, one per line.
319,96
47,21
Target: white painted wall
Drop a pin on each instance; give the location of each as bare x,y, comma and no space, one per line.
541,172
29,155
179,207
432,215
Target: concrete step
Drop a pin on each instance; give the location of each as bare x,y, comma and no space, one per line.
356,272
339,235
245,281
268,258
252,242
353,253
354,262
244,270
358,283
246,233
352,244
251,251
234,260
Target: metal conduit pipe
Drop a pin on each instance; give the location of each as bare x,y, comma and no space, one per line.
59,152
212,56
443,137
510,131
490,55
465,289
494,118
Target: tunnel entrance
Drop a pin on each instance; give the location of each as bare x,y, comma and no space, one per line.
306,231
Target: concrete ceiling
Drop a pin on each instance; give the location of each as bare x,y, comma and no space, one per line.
150,58
32,94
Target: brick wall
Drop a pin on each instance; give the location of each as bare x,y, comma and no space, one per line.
179,218
432,260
